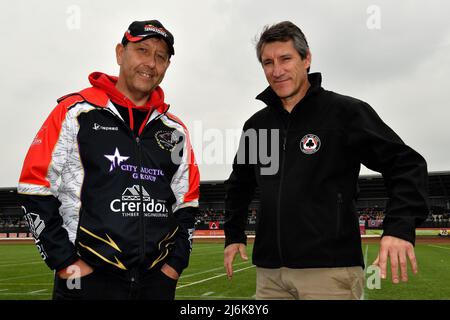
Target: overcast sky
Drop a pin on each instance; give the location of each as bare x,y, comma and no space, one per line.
395,56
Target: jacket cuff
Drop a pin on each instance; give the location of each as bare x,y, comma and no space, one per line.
71,260
406,237
403,228
176,263
237,239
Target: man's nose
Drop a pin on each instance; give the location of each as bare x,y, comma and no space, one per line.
150,61
277,70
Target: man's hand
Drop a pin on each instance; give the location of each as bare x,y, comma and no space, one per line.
229,254
79,267
170,272
397,250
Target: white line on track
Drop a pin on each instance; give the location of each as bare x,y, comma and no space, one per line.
21,294
199,248
365,254
207,279
447,248
210,270
36,291
202,254
364,294
25,277
19,261
19,264
27,284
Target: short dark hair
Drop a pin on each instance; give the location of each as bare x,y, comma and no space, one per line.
283,31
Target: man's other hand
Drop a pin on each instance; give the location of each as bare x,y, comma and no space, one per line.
398,251
229,254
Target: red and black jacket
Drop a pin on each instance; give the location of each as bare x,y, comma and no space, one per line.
93,189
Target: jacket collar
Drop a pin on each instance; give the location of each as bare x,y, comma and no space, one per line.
106,83
270,98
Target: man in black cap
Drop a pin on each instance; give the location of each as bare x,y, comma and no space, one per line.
140,30
109,186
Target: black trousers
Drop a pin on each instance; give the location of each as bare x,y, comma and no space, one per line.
103,285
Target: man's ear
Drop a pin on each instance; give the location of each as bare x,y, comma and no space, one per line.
308,60
119,53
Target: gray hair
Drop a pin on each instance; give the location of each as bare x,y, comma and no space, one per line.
283,31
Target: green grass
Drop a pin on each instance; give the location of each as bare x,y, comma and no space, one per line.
431,283
419,232
23,275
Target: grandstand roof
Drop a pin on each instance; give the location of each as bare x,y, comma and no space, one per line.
8,197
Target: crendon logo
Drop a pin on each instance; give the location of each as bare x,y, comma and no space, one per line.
167,140
135,200
310,144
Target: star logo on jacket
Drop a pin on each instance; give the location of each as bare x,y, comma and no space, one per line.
310,144
116,159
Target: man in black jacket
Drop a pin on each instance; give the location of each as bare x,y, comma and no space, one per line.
307,243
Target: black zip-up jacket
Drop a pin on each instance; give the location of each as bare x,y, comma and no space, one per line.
307,216
94,189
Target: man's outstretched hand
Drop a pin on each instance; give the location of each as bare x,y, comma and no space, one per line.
229,254
398,251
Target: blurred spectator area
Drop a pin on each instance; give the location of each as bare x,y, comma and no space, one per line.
370,206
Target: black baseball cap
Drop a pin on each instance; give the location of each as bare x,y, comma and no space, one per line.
141,30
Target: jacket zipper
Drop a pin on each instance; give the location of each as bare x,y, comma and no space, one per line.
141,193
137,140
285,132
141,188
